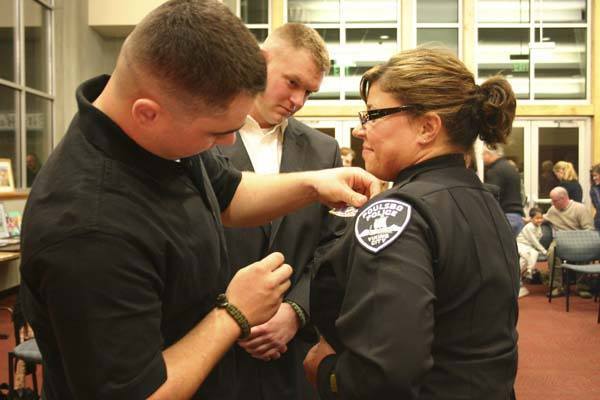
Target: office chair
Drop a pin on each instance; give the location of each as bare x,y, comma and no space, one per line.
26,350
578,251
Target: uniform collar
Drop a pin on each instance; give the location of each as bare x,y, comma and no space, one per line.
445,161
106,135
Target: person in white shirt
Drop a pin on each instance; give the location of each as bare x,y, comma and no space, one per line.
528,242
269,362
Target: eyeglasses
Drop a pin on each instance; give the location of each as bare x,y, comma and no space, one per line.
371,115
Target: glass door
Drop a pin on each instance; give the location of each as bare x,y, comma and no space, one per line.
559,140
536,145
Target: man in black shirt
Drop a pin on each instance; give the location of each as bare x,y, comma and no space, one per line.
501,173
123,254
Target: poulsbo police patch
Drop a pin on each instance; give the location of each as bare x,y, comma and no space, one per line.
381,223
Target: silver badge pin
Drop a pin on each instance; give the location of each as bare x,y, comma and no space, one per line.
344,212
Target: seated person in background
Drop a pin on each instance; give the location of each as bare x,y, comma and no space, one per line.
528,242
347,156
567,178
565,215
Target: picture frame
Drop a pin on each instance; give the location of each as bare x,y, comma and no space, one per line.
3,225
13,223
7,183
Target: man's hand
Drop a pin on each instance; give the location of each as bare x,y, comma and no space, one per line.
314,357
339,187
268,341
257,290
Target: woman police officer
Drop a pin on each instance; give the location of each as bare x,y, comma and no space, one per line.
419,299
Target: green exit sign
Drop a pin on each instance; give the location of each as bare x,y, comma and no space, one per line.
520,66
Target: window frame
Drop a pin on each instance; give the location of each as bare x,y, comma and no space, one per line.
22,90
532,25
458,25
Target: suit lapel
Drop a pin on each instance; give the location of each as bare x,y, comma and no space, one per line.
240,159
292,160
238,154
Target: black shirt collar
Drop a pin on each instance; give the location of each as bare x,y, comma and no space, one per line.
105,134
447,160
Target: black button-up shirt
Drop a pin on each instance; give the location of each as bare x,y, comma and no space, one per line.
123,253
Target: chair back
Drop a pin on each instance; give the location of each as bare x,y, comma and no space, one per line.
546,238
580,246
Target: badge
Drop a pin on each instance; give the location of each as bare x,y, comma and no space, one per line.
381,223
344,212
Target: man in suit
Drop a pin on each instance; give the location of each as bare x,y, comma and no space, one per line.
270,362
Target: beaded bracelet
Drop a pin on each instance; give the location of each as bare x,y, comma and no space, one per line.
299,312
235,313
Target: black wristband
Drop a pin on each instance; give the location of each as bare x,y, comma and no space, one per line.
235,313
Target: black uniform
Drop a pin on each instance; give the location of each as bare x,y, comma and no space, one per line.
123,254
420,298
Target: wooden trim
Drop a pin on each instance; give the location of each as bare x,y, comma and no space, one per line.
530,110
331,110
9,255
407,12
277,14
595,50
14,195
469,25
527,110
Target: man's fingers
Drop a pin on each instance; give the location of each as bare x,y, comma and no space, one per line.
254,344
273,261
263,350
283,288
355,199
269,352
374,189
282,274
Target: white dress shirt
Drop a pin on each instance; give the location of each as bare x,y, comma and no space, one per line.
264,146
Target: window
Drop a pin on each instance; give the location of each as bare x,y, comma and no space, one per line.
438,23
363,33
255,14
540,46
26,86
359,35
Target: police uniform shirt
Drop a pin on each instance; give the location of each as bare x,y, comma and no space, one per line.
123,253
419,299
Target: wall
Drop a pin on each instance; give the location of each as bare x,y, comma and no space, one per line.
81,53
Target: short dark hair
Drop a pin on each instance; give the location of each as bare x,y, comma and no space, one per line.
534,211
198,49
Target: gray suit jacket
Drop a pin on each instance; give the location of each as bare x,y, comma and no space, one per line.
296,235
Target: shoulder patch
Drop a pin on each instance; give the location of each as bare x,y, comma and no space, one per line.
380,224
